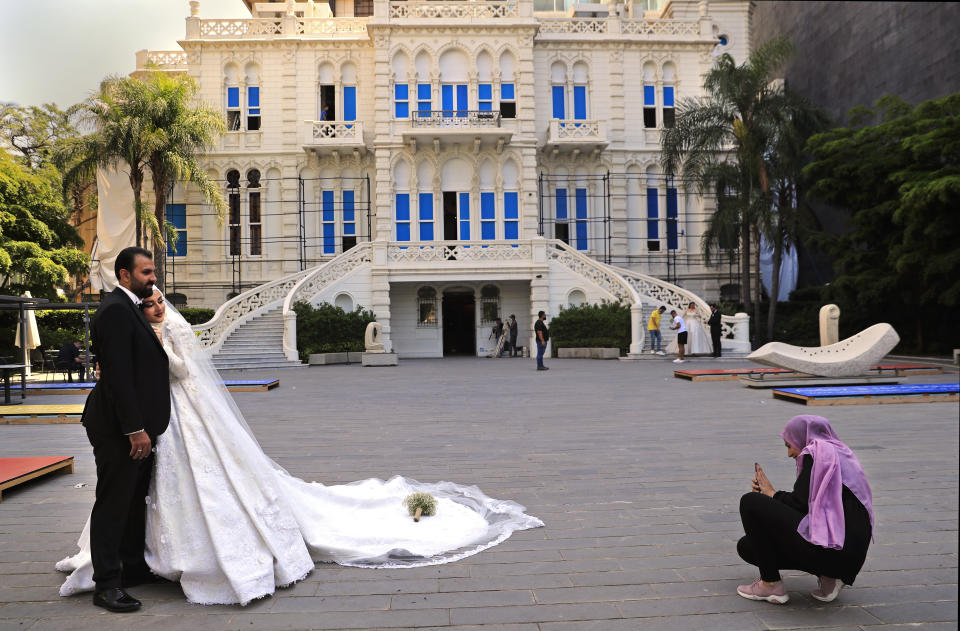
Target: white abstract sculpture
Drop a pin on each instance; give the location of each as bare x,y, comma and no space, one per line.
848,358
371,338
829,325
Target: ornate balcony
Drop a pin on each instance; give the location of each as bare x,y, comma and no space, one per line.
324,137
455,10
162,60
577,135
456,126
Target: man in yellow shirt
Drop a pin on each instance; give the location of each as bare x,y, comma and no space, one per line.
653,329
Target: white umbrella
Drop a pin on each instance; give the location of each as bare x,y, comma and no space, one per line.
33,334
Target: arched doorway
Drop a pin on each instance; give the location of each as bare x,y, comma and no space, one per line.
459,322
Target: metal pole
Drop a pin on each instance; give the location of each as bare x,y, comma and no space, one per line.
302,250
540,204
366,177
606,222
86,342
26,353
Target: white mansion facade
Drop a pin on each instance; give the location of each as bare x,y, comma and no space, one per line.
446,162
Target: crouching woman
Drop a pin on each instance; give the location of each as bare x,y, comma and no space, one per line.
824,526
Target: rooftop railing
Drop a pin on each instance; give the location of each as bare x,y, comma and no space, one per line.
455,118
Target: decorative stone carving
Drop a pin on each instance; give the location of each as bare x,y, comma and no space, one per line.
372,337
829,325
848,358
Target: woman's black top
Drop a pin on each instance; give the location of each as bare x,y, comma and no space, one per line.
857,528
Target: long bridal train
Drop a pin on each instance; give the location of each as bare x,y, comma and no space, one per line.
231,525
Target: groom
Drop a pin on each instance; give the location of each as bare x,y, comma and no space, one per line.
126,411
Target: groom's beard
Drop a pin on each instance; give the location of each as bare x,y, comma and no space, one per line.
144,290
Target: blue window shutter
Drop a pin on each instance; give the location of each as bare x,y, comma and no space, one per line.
653,214
510,210
580,102
403,232
350,103
672,216
401,91
426,231
485,106
424,92
402,110
488,230
403,207
484,92
426,207
558,102
233,97
511,230
507,92
649,95
487,206
329,241
462,100
253,96
327,205
581,210
348,207
668,96
177,217
465,216
446,99
561,203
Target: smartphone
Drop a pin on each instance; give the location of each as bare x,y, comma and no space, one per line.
756,467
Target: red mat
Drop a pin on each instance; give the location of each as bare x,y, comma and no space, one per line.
14,471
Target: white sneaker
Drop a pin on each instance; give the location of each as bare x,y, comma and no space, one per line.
678,361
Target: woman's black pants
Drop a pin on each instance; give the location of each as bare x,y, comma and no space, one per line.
772,542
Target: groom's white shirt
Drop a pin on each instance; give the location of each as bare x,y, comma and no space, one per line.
131,295
136,301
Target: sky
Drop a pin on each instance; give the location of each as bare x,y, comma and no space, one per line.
59,50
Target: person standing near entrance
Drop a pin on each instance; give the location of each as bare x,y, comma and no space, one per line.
543,336
681,328
653,330
512,326
715,329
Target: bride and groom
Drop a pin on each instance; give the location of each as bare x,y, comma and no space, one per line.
185,492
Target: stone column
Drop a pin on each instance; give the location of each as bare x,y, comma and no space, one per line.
636,330
380,304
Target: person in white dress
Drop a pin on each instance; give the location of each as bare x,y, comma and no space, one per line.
231,525
698,340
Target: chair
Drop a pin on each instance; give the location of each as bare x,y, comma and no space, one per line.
38,362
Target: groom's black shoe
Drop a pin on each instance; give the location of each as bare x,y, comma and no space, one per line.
116,600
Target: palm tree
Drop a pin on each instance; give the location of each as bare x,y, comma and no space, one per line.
180,131
151,125
722,141
791,216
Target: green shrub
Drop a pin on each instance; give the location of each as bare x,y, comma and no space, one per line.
329,329
605,325
196,315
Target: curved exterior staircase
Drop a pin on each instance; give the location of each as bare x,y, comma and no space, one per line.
256,344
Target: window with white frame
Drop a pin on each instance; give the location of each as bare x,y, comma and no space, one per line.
401,98
427,307
650,106
253,108
254,220
489,304
233,215
234,114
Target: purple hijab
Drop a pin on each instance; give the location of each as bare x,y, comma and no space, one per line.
834,466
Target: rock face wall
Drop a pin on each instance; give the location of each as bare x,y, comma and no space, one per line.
852,53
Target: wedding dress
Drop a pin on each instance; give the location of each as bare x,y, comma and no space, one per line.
698,341
231,525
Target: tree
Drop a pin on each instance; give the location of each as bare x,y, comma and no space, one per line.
723,142
181,131
897,168
37,244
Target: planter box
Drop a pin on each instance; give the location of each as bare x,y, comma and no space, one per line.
588,353
326,359
354,357
379,359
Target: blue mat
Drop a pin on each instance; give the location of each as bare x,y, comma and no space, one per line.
889,390
88,385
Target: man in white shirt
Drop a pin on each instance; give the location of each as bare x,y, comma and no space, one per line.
681,328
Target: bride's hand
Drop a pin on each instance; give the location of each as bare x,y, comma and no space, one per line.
159,335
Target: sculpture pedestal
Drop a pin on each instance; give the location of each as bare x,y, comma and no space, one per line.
379,359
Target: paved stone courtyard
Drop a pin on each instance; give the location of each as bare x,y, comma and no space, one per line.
636,474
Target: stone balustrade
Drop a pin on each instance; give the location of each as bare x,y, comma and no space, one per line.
453,10
454,118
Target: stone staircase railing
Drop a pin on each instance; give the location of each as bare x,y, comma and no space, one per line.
239,309
604,276
735,330
312,283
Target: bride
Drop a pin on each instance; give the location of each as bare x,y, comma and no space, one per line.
231,525
698,342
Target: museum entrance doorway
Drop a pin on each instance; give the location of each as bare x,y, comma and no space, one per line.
459,323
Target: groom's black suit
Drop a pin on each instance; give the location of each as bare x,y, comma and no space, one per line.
133,394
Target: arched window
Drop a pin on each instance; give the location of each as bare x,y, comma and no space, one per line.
508,86
489,303
558,92
253,215
576,298
649,96
233,218
580,94
232,82
426,307
669,93
253,97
